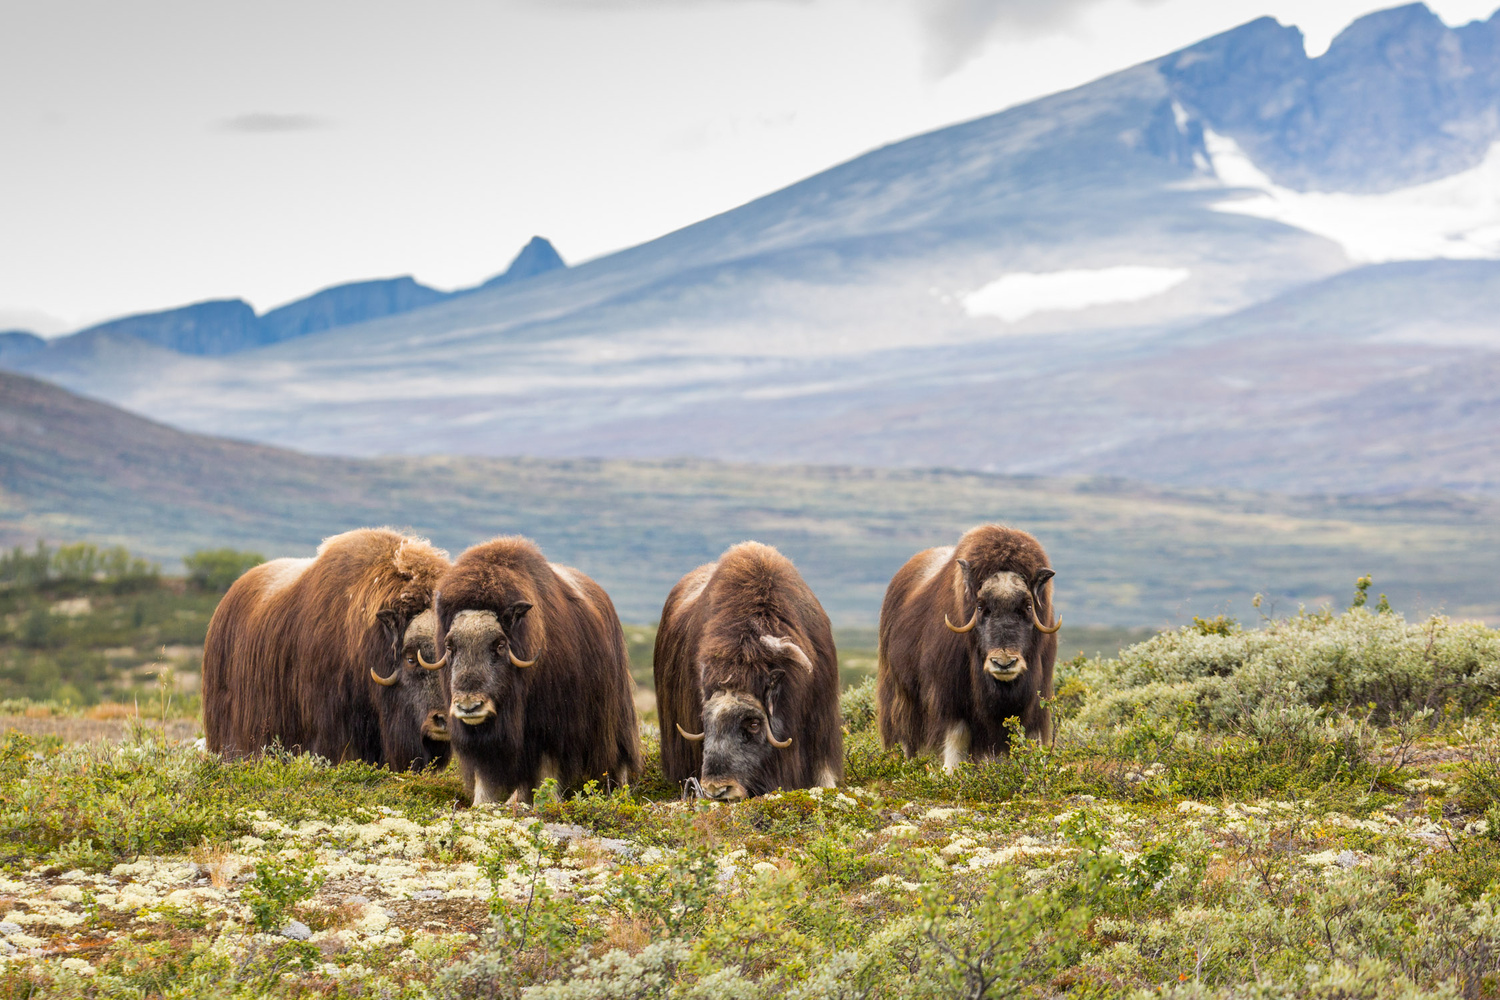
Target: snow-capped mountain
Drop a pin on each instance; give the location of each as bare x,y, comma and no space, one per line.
1189,271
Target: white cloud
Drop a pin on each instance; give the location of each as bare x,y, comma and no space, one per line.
957,30
1020,294
34,321
1457,217
264,121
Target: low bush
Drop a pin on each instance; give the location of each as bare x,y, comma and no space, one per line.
1355,660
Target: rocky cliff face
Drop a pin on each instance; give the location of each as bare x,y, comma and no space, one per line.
346,304
219,327
1399,98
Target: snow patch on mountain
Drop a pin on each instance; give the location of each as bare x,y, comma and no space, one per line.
1020,294
1455,218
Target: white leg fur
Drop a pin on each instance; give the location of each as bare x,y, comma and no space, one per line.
955,746
483,793
825,777
546,769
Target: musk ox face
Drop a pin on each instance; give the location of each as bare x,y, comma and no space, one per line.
486,667
410,701
741,748
1005,631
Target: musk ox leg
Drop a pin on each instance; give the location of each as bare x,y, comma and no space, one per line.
622,776
547,768
488,794
826,777
955,746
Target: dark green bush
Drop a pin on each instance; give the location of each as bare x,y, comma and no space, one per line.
215,569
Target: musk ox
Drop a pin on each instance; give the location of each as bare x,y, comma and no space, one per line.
747,679
965,645
322,655
537,672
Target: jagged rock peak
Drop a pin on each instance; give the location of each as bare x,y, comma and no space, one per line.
537,257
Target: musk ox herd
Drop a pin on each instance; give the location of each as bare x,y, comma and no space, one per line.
380,649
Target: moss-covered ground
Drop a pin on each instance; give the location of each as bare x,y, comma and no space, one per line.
1208,823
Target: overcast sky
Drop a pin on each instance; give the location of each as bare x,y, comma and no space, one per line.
157,153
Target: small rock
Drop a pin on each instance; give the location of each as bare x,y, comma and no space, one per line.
9,927
1348,860
428,894
357,900
565,831
613,845
297,931
6,948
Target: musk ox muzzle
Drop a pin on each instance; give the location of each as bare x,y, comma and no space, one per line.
1005,664
472,709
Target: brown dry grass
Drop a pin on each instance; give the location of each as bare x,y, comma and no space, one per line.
218,860
111,710
79,729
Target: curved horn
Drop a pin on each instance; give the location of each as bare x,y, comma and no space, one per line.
967,628
778,744
1038,623
523,664
689,736
384,681
439,665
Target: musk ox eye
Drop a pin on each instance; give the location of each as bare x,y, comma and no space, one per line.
411,658
752,726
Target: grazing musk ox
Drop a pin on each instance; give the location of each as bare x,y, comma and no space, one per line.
539,679
747,679
321,655
964,645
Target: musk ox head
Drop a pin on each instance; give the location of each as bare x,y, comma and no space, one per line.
489,654
1004,631
409,699
744,738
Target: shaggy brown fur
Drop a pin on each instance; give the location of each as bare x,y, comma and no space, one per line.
571,715
291,646
711,642
932,679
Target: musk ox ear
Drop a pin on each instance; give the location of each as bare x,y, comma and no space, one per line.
966,574
1040,580
513,614
390,621
786,647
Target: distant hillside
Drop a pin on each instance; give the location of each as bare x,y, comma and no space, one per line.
19,343
1126,554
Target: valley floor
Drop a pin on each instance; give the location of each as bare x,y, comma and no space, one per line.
1303,853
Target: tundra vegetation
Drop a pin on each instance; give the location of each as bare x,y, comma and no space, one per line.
1304,807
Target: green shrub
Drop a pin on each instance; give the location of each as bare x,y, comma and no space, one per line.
1355,659
215,569
857,705
280,883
